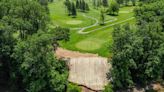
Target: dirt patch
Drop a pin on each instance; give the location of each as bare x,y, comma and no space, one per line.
85,69
89,71
63,53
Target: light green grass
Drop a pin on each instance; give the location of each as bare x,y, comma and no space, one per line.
99,41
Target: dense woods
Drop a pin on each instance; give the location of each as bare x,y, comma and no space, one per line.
26,48
139,51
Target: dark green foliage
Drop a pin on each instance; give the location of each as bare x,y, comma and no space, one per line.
73,10
77,4
138,52
27,19
68,6
83,6
36,65
87,6
7,42
27,61
102,17
44,3
120,1
73,88
113,8
108,88
121,60
105,3
133,2
61,34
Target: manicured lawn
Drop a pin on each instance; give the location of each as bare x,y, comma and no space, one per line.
99,41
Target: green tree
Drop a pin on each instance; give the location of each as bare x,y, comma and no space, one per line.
73,88
102,17
28,18
77,4
83,6
87,6
133,2
138,51
61,34
121,60
120,1
113,8
44,3
36,65
73,10
68,5
105,3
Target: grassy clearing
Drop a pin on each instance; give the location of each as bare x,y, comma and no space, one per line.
99,41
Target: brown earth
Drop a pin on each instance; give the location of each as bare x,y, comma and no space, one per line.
85,69
63,53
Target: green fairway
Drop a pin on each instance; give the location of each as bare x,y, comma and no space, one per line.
86,34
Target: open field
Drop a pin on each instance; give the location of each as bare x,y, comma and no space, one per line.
86,33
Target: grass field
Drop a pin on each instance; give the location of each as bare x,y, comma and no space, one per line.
96,39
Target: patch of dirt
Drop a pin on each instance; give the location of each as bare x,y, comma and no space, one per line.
89,72
63,53
158,87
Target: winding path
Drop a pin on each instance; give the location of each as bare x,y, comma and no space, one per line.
81,30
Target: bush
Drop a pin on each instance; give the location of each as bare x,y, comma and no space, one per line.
73,88
108,88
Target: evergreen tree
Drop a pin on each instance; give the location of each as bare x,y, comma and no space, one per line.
105,3
94,3
73,10
77,4
68,6
87,6
102,17
120,1
83,6
133,2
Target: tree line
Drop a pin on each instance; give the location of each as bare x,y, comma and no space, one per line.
72,7
27,62
138,51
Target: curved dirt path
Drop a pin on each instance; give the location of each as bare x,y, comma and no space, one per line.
89,17
82,31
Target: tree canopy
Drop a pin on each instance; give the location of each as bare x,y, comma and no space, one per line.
138,52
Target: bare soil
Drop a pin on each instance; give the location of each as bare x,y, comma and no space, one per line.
63,53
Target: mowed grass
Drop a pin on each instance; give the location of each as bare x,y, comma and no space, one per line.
98,42
59,16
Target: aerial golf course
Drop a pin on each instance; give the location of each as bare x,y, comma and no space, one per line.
86,33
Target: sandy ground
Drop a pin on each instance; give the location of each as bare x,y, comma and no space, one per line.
87,70
63,53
